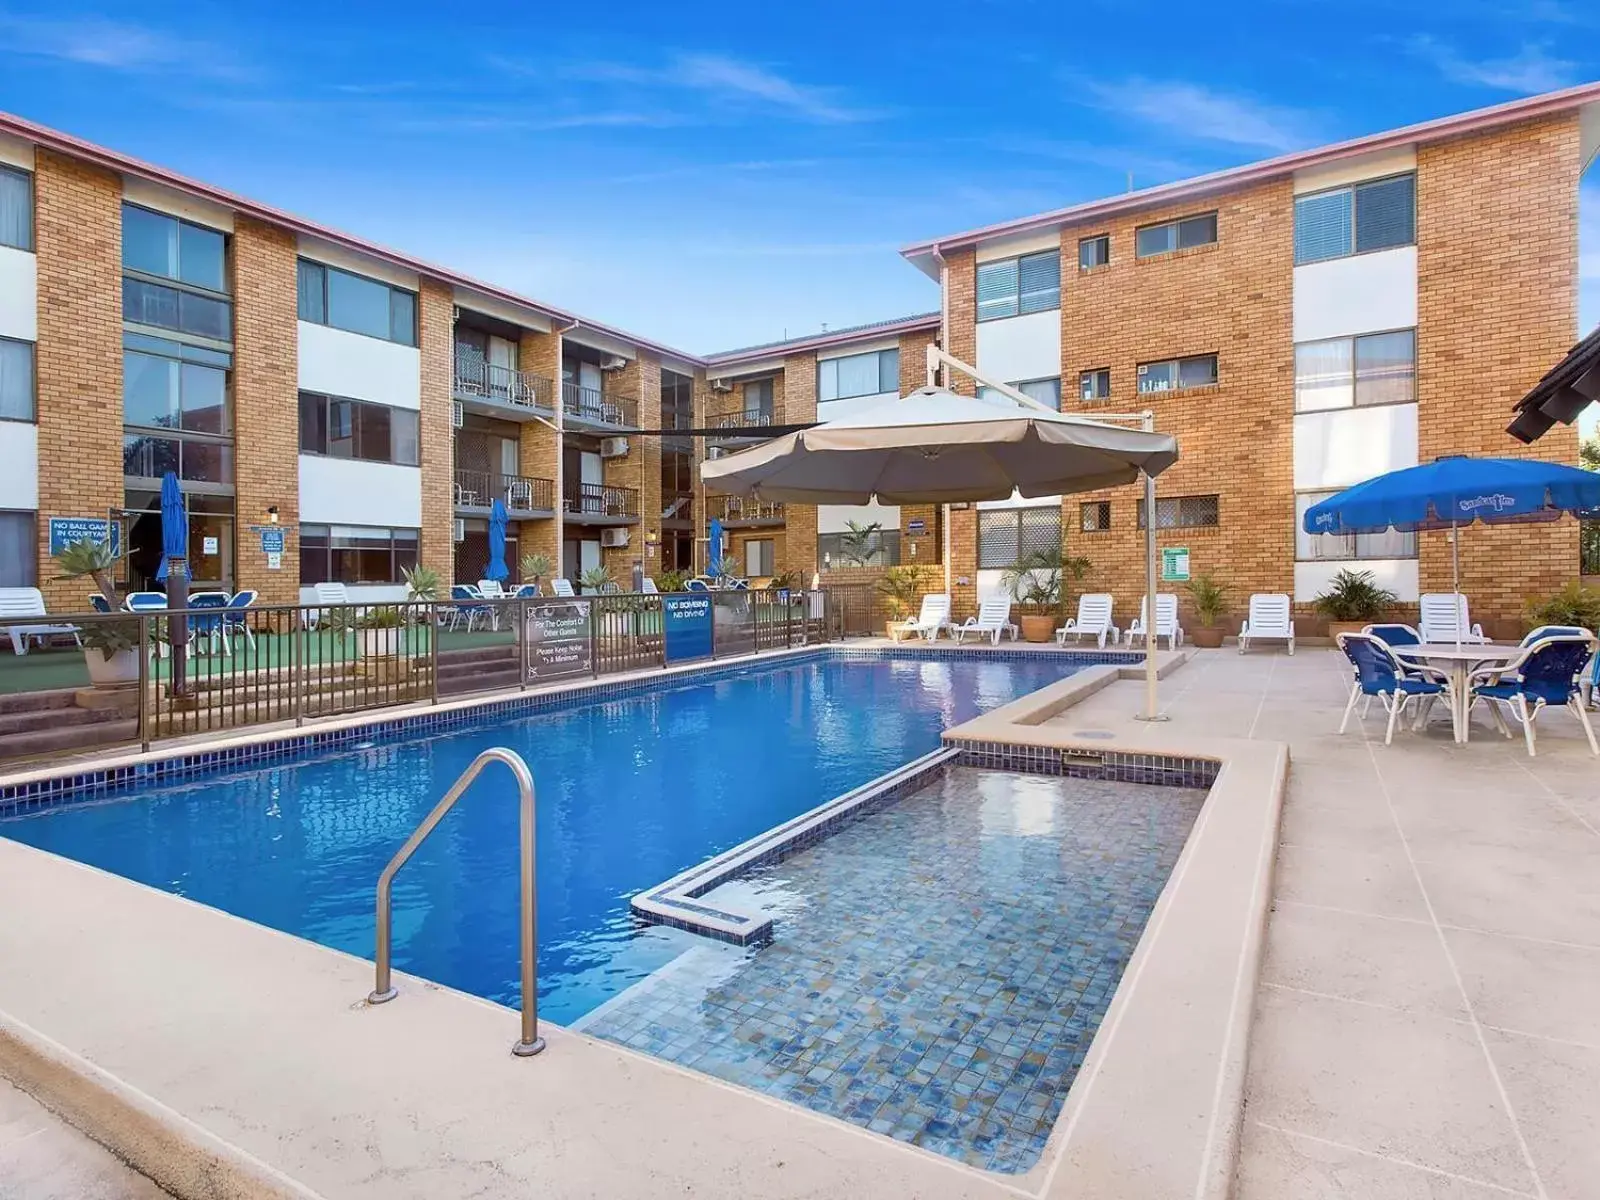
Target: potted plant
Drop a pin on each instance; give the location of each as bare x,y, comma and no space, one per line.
1573,605
536,569
422,584
901,589
1354,599
110,647
595,579
1210,606
378,631
1037,583
670,581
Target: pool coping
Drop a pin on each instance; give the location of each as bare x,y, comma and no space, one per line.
1154,1112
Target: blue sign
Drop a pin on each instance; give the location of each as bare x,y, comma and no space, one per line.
687,621
66,530
272,541
917,526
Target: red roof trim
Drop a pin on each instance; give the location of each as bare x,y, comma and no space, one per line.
1469,122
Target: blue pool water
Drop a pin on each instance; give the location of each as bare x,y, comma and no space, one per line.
631,791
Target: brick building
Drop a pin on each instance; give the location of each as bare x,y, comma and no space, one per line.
1301,324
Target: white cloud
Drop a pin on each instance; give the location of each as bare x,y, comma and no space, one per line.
1531,69
1194,110
729,82
116,46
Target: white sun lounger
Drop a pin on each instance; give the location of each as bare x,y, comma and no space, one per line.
1093,620
1269,620
935,615
1445,619
29,602
1166,621
993,619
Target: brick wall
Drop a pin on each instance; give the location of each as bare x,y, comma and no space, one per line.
960,334
436,306
799,404
538,447
265,404
640,468
1497,222
78,239
930,543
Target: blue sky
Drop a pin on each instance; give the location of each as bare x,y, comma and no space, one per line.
716,174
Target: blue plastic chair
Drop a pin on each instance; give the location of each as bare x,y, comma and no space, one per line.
1550,631
1379,673
145,602
99,603
696,585
1395,634
1545,675
210,627
469,604
234,620
528,591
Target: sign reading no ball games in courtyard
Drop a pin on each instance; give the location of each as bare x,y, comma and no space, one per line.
687,624
557,639
66,530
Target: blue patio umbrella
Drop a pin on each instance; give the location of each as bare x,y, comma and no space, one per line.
1457,490
714,550
174,569
497,541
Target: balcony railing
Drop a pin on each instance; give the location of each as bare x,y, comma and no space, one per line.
743,422
519,493
598,407
476,377
601,500
737,508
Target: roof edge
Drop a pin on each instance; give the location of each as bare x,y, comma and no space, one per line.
819,341
1200,185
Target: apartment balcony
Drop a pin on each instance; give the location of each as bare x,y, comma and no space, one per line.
587,408
600,504
492,391
740,426
476,491
736,512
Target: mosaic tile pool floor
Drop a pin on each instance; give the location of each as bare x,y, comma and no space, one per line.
938,969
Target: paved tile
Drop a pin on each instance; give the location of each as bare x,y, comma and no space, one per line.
1555,1090
44,1158
939,969
1537,988
1379,881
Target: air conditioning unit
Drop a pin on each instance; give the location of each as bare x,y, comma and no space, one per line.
722,385
613,537
613,362
460,530
613,447
458,415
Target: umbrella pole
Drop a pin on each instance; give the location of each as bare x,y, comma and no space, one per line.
1150,713
1455,575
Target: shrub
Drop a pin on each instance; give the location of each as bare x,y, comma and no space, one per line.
901,588
1574,604
1210,599
1355,596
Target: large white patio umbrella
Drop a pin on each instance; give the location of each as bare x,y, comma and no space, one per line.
936,447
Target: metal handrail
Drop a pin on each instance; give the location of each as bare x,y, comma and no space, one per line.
383,987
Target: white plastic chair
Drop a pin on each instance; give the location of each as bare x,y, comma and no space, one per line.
1093,620
490,589
29,602
648,587
1269,620
1166,621
1445,619
331,594
934,616
562,587
993,619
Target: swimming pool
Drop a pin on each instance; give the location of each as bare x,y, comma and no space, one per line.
631,791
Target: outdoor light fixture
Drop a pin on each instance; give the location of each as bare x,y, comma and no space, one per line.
272,514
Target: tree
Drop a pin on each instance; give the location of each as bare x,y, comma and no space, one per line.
1589,453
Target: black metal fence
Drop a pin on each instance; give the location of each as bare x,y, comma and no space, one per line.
82,681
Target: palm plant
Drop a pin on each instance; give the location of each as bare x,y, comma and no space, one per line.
98,561
1210,599
861,543
536,568
901,588
1037,581
422,583
1355,596
595,579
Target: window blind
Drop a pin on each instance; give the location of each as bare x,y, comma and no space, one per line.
1386,213
1040,278
997,289
1322,226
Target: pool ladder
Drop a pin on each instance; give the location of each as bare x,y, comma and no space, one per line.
383,987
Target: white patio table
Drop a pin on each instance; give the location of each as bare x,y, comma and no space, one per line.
1458,662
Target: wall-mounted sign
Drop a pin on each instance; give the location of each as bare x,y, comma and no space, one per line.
271,541
66,530
208,545
274,562
556,634
916,527
1175,564
687,625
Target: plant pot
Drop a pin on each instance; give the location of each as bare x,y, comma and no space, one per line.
1207,637
1335,628
114,670
892,624
1037,627
380,643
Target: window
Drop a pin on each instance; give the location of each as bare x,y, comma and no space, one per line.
150,456
758,402
1094,516
19,554
1355,220
1376,368
156,244
16,380
1175,374
1095,385
1183,512
329,296
146,303
1165,238
1011,286
355,554
1094,251
1009,535
1322,547
355,429
881,549
759,558
16,208
867,374
166,393
1045,391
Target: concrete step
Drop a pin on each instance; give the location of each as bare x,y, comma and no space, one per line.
54,718
13,702
478,681
479,654
66,739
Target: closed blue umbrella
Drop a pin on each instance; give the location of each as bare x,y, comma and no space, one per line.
497,541
714,550
175,570
1457,490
